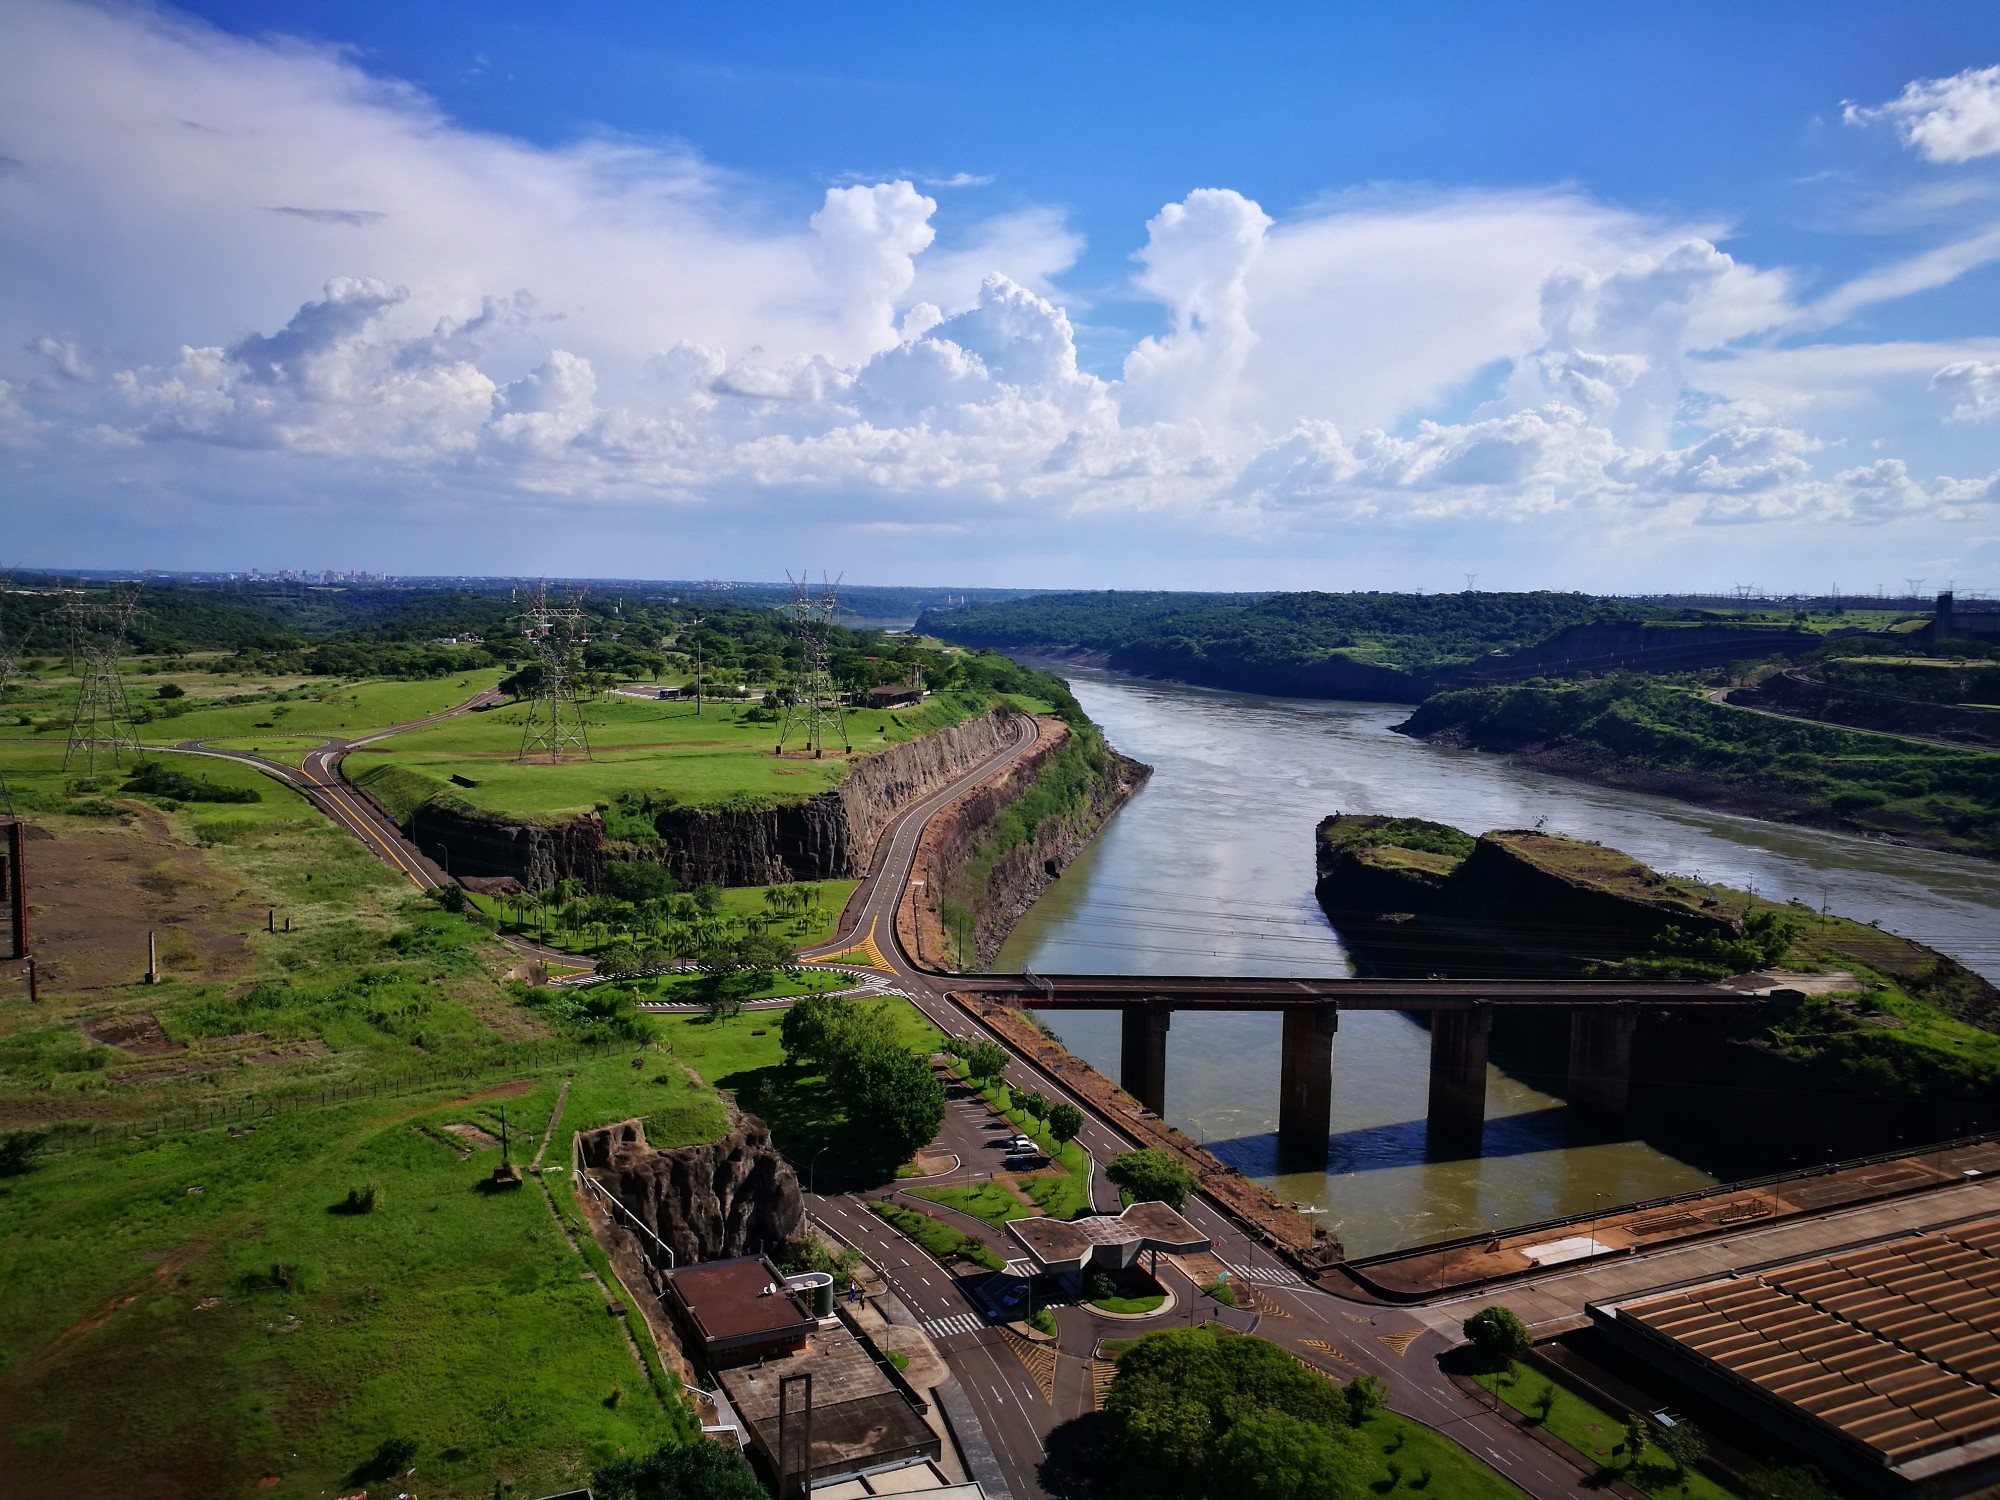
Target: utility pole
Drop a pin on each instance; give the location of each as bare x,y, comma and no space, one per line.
694,626
17,885
815,707
555,721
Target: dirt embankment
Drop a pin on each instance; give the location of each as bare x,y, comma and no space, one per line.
97,887
952,840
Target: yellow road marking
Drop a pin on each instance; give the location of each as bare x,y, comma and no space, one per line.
1399,1343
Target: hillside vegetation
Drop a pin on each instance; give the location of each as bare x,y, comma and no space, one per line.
1635,731
1234,640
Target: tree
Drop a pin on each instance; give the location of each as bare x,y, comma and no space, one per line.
1683,1442
1178,1396
1152,1176
1365,1396
1065,1120
986,1062
1272,1456
895,1096
1031,1103
699,1470
1636,1432
1497,1333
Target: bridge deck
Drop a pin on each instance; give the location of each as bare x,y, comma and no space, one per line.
1232,992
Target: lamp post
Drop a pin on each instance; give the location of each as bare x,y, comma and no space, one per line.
812,1170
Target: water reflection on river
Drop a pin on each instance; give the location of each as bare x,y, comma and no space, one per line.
1210,870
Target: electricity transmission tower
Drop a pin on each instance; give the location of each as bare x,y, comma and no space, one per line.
102,723
555,719
814,714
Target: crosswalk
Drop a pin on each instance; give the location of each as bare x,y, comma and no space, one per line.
1022,1267
1270,1276
939,1328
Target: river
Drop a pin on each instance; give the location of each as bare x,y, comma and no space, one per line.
1209,869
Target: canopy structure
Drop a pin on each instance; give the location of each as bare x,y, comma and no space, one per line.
1111,1241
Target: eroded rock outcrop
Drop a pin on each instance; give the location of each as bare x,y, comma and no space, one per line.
959,860
733,1196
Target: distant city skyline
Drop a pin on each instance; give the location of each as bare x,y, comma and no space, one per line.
1178,297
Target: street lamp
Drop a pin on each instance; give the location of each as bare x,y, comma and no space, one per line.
812,1169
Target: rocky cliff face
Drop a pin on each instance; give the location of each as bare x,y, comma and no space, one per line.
735,1196
955,860
825,837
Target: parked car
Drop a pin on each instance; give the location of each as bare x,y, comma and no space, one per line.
1019,1144
1026,1161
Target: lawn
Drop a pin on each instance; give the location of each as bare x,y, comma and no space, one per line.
1415,1460
1064,1196
936,1236
724,756
267,1324
989,1202
1595,1433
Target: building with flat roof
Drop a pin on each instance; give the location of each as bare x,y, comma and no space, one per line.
1881,1362
850,1416
738,1310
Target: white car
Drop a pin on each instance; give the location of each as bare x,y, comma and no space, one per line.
1020,1145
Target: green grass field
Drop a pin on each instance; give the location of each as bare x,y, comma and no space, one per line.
1414,1460
645,747
1595,1434
988,1202
1064,1196
314,706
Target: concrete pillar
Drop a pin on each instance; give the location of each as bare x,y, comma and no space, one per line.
1142,1052
1600,1060
1305,1079
1458,1079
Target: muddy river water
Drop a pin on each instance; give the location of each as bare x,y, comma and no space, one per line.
1210,870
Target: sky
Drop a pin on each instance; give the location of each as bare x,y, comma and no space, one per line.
1616,298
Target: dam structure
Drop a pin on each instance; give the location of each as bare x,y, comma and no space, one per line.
1603,1018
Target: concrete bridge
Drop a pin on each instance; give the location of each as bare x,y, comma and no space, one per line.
1602,1016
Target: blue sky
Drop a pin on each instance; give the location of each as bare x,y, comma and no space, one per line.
1188,295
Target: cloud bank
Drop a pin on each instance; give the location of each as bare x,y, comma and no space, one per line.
259,249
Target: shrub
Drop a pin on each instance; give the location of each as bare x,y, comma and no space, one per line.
18,1150
1151,1175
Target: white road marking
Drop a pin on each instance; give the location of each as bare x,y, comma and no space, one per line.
944,1327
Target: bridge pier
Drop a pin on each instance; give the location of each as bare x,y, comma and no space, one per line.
1457,1117
1600,1060
1305,1080
1142,1052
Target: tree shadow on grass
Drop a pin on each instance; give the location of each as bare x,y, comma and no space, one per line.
809,1122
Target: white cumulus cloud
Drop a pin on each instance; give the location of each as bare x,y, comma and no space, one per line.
1945,120
1973,388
